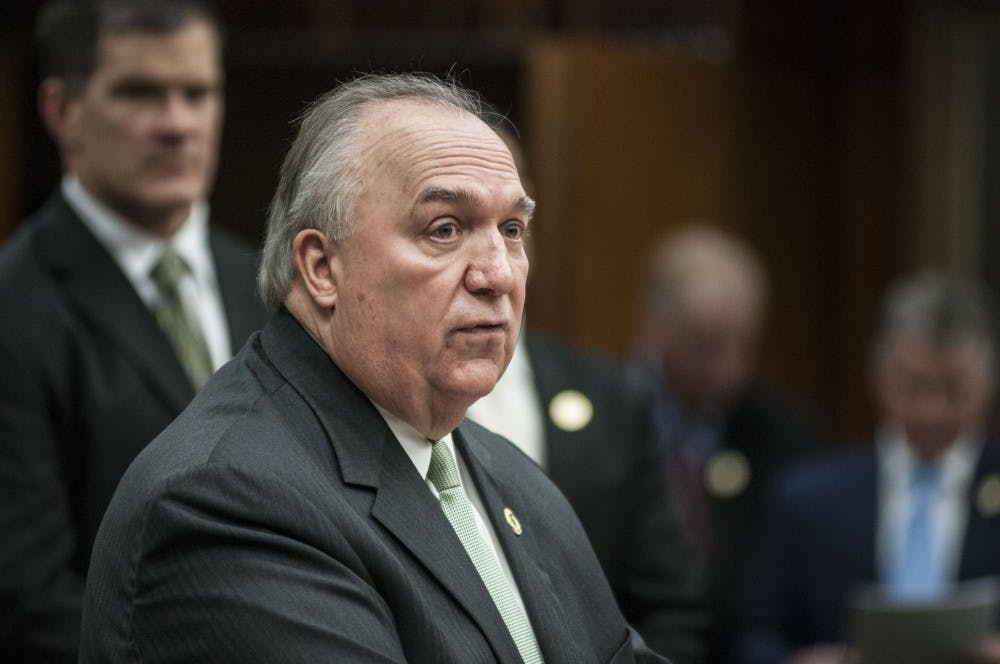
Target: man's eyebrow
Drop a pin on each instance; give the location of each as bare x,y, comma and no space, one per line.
443,194
523,204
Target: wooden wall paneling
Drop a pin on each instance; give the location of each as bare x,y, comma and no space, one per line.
628,141
789,211
548,132
822,181
871,131
947,60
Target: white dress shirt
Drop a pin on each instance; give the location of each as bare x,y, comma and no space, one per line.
136,252
419,450
950,511
513,409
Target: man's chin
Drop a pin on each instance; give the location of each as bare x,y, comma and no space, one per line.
172,197
474,382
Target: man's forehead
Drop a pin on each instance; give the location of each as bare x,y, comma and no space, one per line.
400,123
137,48
416,140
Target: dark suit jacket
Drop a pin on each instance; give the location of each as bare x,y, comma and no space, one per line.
278,519
610,473
771,432
819,541
88,379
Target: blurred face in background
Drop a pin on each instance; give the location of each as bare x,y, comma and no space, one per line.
143,133
934,393
709,343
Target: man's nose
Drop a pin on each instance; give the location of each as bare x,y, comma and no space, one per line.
177,116
490,271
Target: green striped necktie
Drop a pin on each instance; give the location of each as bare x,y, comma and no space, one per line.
187,341
443,474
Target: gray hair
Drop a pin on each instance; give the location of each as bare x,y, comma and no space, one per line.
941,310
321,172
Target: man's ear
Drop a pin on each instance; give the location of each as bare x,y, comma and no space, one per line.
55,106
314,262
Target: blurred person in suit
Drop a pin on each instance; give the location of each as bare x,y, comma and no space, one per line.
118,297
323,498
722,435
589,425
914,512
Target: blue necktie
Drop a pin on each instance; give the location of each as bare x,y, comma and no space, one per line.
915,574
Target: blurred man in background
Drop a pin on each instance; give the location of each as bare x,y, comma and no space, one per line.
722,436
118,298
914,512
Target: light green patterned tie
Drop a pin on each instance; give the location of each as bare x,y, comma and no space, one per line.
443,474
188,343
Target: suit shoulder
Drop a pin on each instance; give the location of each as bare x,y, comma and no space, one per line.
234,409
559,365
32,304
19,261
823,480
570,357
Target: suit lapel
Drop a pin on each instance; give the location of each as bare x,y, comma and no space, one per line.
103,296
523,551
370,456
405,506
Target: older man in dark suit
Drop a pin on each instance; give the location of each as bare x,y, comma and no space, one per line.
723,435
117,298
322,499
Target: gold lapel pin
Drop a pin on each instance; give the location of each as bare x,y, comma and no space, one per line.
727,474
512,521
571,410
988,496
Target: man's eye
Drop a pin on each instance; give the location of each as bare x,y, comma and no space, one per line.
445,232
513,230
197,93
137,91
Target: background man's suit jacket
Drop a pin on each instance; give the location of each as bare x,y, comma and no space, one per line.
772,432
610,471
278,519
819,540
88,379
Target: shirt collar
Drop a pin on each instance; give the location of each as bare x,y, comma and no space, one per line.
416,446
957,463
133,248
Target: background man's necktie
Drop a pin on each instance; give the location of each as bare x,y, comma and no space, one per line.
188,343
443,474
914,573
